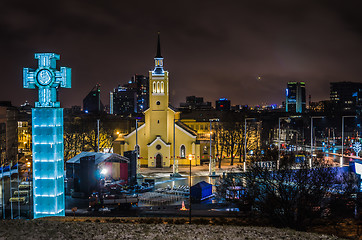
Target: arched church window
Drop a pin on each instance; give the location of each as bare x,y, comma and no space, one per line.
182,151
162,87
158,87
154,87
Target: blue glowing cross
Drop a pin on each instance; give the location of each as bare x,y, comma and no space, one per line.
47,78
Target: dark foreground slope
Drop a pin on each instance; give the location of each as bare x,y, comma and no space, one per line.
44,229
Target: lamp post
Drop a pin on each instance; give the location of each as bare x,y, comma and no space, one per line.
212,161
279,133
342,140
2,190
139,175
175,172
190,158
98,135
245,145
311,139
17,168
278,162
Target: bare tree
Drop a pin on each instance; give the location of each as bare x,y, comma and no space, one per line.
287,196
81,135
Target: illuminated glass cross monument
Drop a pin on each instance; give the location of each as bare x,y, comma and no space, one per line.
47,131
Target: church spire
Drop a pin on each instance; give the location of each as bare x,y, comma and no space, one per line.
158,59
158,47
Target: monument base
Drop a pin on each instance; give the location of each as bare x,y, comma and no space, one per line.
48,162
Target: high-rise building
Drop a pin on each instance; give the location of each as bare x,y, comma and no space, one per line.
92,102
223,104
142,83
347,95
295,97
195,103
131,97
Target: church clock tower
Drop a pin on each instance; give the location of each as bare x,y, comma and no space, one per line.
162,141
159,98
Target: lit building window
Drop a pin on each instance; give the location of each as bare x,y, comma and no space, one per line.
158,87
162,88
154,87
205,150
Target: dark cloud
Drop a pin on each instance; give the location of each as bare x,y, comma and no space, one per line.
211,48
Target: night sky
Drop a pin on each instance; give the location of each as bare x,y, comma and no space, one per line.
212,49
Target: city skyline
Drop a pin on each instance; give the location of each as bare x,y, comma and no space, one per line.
210,50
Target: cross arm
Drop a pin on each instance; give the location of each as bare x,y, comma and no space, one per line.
63,77
28,78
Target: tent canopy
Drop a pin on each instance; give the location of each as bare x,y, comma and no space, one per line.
99,157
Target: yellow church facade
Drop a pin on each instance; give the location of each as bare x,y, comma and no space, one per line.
162,137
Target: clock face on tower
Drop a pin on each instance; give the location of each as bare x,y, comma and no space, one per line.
44,77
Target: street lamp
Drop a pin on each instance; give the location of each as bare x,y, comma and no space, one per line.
245,146
212,161
190,158
311,139
98,135
2,189
139,175
341,159
175,172
278,162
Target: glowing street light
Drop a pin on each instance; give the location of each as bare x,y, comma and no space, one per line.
104,171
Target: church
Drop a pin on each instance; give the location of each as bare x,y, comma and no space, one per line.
162,137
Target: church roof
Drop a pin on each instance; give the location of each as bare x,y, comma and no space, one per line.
158,137
172,108
186,128
158,55
134,130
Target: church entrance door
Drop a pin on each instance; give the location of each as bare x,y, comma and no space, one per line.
158,161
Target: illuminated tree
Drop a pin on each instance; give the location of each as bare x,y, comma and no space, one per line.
81,135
